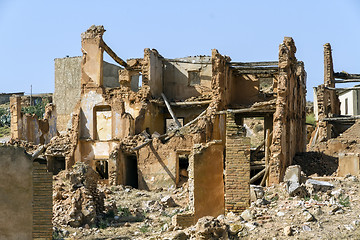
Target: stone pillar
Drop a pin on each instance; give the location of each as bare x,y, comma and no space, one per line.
92,62
237,167
15,109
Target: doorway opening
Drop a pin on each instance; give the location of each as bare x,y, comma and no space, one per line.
59,164
102,168
131,171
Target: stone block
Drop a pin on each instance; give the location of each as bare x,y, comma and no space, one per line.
293,173
349,164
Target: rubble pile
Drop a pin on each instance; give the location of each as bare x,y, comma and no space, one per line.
59,145
76,199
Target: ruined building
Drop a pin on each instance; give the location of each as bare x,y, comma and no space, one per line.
170,121
336,134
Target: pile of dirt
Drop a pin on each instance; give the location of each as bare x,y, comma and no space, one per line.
316,163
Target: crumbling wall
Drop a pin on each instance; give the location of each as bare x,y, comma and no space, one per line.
26,196
29,127
289,133
187,77
157,162
327,103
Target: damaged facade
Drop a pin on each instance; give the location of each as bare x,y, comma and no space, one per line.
170,121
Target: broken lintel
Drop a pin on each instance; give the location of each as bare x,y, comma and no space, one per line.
347,80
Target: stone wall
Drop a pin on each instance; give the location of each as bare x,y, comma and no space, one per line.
29,127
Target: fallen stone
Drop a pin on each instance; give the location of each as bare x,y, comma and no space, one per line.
247,215
256,192
288,231
210,228
308,217
314,186
295,189
250,226
235,228
293,174
168,201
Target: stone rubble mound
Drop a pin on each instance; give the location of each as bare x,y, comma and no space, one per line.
76,199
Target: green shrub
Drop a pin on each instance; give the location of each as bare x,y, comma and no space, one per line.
310,119
38,109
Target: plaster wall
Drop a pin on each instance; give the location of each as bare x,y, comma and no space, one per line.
157,162
352,103
176,78
16,194
208,184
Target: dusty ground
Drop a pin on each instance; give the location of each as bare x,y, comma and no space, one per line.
336,215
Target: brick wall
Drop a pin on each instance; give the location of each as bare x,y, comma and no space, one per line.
42,202
237,167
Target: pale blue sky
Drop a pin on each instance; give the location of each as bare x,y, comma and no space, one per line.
36,32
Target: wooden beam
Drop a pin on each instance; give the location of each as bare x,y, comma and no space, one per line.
170,110
269,63
352,118
343,89
190,103
113,55
256,68
257,176
343,75
347,80
254,71
37,153
247,110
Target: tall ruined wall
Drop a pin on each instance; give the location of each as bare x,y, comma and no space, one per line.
29,127
219,80
327,101
289,133
67,89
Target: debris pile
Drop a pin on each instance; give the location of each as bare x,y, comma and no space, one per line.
76,199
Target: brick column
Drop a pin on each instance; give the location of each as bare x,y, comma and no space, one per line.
237,167
42,202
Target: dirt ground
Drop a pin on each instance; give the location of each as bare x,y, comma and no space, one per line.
335,215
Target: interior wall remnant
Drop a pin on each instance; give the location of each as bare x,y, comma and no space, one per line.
326,102
289,132
237,167
29,127
206,180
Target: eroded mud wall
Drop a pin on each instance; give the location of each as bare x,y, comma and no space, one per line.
289,133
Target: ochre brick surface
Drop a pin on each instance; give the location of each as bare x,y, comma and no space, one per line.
237,167
42,202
